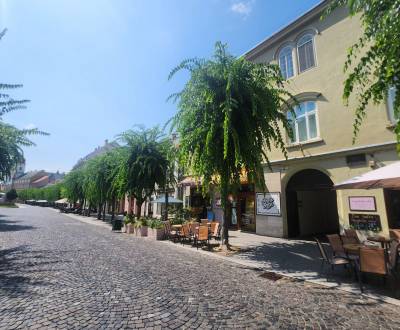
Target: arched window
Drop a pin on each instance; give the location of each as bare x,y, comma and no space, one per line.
286,62
305,52
304,124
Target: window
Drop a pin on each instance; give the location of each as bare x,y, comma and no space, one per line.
286,62
390,104
305,52
304,125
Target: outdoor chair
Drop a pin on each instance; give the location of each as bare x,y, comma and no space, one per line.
204,221
394,257
193,228
336,245
334,261
185,233
351,236
201,236
215,230
169,233
373,261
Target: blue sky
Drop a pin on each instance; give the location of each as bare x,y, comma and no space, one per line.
94,68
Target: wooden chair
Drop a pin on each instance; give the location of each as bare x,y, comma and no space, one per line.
202,236
373,261
204,221
185,233
336,245
351,237
394,257
334,261
215,230
169,233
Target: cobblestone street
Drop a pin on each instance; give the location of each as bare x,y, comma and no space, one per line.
57,272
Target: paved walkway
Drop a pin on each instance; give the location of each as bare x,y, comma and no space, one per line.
57,272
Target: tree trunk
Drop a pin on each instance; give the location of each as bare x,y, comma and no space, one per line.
89,210
104,211
99,211
224,229
112,209
138,209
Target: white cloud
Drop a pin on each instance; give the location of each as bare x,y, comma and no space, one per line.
242,8
30,126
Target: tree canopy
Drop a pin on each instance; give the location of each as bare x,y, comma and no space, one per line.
229,116
373,64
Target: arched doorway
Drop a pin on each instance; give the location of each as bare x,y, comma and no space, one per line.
311,204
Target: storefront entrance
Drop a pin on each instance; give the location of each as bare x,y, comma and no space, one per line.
311,204
242,213
392,198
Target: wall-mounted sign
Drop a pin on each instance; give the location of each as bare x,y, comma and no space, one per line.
269,204
365,221
362,203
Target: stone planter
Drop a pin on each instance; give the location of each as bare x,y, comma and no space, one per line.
156,234
130,229
143,231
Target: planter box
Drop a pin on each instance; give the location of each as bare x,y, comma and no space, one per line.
130,229
156,234
143,231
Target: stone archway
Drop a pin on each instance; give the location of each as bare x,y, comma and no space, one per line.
311,204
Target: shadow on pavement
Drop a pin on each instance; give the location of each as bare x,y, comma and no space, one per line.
12,225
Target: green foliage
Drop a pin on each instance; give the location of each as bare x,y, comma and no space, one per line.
372,63
11,195
156,224
145,164
73,185
229,118
12,139
180,216
51,193
129,219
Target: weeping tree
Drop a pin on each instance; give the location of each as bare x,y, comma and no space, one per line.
373,64
12,139
229,116
146,163
73,186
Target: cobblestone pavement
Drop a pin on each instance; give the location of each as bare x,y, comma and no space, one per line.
57,272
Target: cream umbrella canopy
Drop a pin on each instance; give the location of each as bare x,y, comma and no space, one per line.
384,177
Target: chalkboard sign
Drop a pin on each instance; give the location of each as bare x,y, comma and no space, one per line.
365,221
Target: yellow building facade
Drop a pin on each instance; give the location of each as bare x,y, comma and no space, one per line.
300,200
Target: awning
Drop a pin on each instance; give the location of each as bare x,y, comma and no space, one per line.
171,200
384,177
189,181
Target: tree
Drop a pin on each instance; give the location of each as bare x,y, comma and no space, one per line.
229,117
12,139
73,186
145,165
372,63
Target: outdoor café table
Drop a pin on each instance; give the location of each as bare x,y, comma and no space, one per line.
352,248
379,239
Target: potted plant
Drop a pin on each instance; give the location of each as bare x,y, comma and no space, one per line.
156,230
129,223
142,227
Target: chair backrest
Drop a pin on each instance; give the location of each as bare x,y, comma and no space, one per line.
212,227
394,254
351,233
167,226
185,230
349,240
321,249
373,260
202,233
204,221
394,234
336,243
193,227
215,232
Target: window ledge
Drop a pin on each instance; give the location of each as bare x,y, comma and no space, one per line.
299,144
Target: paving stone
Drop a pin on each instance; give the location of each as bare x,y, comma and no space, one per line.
57,272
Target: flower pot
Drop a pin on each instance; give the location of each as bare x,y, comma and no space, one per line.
144,231
130,229
156,234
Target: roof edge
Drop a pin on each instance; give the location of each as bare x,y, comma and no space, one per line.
281,33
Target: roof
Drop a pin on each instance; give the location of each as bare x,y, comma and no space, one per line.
292,26
41,179
96,152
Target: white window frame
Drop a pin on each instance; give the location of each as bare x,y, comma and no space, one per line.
286,62
317,137
298,44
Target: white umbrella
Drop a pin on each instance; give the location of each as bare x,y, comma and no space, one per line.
384,177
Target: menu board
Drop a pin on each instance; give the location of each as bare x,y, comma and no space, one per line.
365,221
362,203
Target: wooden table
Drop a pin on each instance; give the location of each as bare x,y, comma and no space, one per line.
352,248
380,239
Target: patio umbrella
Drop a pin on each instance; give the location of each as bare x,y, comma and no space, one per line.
384,177
171,200
62,201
